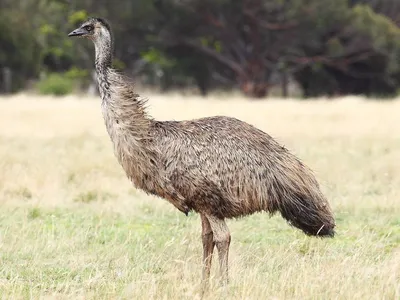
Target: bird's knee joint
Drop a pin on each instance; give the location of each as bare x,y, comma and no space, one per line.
223,239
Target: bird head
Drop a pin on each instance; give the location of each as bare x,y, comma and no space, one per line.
92,28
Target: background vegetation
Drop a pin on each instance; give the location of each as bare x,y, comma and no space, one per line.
325,47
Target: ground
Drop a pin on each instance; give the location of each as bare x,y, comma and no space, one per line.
73,227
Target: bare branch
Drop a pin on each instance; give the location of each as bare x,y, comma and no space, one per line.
215,55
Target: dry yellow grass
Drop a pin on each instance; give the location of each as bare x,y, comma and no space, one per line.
72,226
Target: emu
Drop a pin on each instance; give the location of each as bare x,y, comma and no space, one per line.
219,167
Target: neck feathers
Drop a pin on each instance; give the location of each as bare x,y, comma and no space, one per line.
104,48
123,110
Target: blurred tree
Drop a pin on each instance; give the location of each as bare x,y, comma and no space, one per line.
325,44
232,34
360,56
19,52
328,47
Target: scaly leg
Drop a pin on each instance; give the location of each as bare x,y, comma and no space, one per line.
222,239
208,248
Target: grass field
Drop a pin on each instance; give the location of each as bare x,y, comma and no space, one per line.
73,227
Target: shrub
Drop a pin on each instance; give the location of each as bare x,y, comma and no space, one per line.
77,74
56,84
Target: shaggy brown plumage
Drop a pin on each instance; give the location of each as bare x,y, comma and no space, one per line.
219,167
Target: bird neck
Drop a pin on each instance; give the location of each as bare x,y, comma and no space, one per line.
103,64
103,60
123,110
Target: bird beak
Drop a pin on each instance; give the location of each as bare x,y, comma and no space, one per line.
77,32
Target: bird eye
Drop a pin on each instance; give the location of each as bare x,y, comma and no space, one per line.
89,28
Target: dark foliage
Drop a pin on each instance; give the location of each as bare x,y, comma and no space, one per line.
327,47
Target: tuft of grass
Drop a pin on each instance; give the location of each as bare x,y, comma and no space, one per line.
20,192
91,196
34,213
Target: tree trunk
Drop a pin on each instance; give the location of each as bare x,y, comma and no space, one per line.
7,80
285,84
255,82
254,89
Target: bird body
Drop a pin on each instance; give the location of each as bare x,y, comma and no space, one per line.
219,166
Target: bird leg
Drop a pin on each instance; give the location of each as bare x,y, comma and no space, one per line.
222,239
208,248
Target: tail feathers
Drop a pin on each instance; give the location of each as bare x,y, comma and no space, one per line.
295,193
308,215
